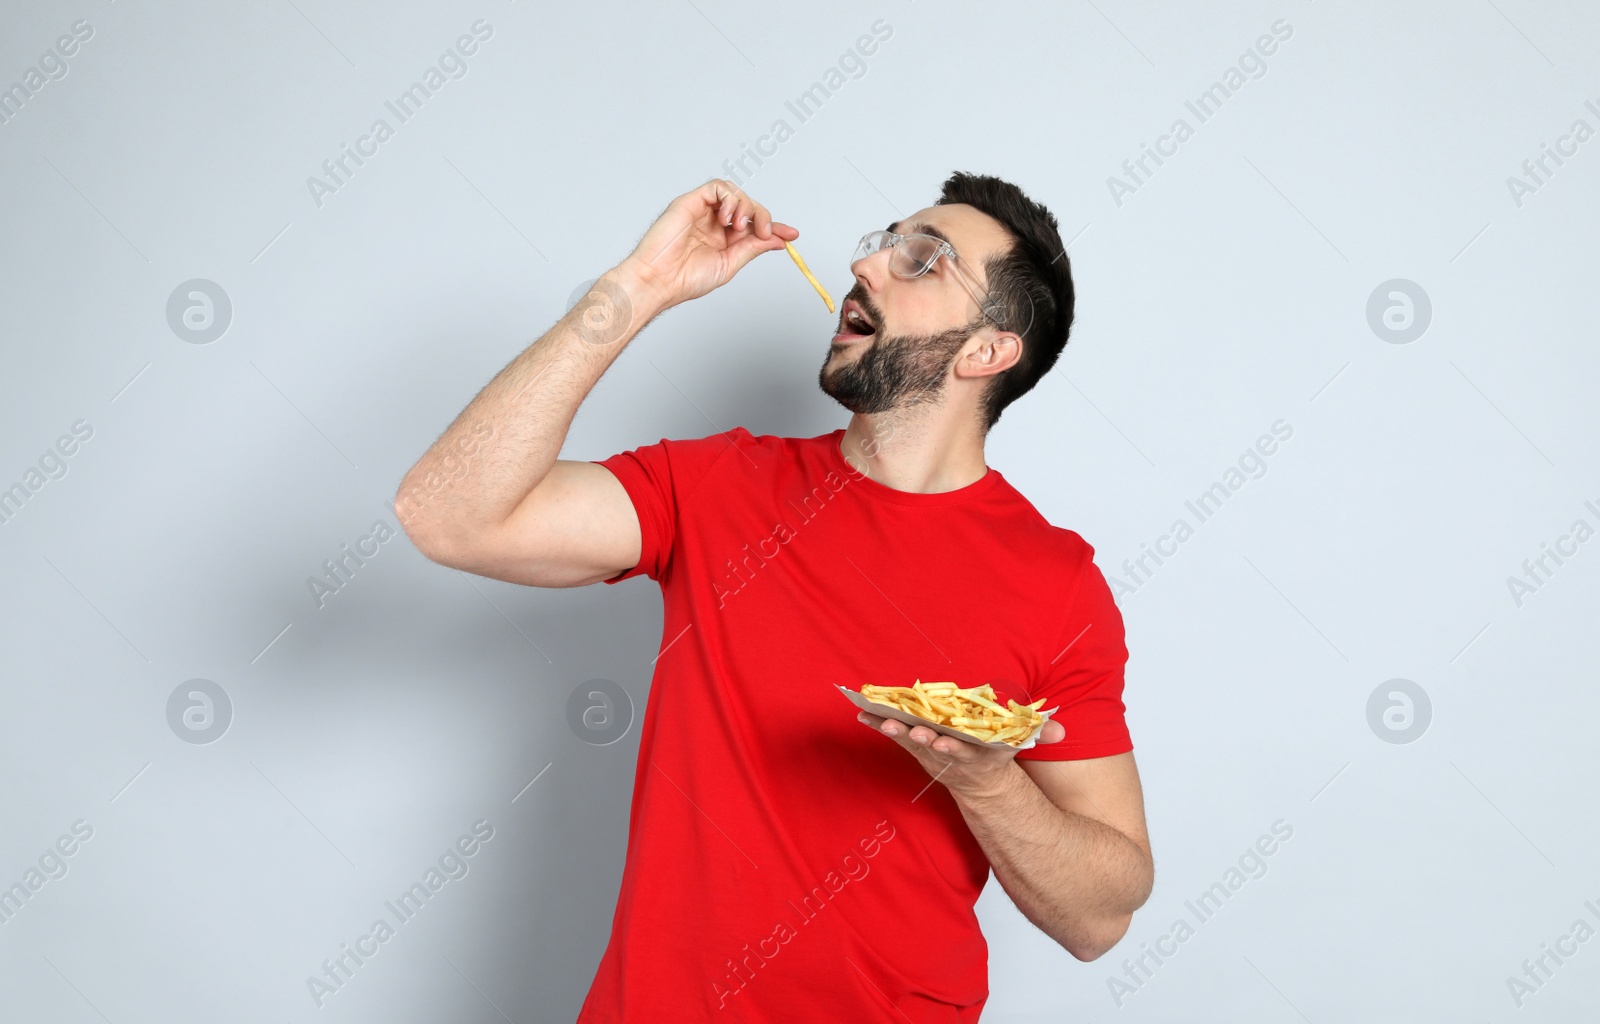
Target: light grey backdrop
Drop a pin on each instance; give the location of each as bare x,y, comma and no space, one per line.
1354,182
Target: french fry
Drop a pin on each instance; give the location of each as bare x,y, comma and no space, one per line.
794,254
972,710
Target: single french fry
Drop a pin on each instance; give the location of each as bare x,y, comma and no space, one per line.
979,698
794,254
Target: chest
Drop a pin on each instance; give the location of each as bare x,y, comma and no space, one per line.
807,586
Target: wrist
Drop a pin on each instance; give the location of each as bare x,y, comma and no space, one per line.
643,286
994,786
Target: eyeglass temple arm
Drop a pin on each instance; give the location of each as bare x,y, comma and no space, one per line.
987,306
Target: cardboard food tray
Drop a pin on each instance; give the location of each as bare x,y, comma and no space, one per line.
872,707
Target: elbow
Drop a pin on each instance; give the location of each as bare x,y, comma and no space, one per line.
425,537
435,549
1095,944
408,508
410,523
1108,930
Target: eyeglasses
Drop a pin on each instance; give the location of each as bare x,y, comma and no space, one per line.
914,255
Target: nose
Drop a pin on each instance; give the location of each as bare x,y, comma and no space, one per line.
872,271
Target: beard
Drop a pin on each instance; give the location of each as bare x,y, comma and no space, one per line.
892,370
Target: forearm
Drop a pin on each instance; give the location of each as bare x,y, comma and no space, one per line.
508,437
1078,879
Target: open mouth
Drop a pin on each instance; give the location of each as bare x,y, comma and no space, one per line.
855,321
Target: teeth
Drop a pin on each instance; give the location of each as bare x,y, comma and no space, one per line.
857,317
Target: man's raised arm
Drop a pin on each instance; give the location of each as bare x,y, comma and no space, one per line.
490,496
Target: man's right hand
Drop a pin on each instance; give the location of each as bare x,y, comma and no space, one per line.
702,239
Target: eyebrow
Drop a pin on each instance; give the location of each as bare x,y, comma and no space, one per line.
926,229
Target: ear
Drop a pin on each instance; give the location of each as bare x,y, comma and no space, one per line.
996,351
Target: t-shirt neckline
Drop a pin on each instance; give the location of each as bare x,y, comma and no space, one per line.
883,492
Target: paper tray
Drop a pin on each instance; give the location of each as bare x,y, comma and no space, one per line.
872,707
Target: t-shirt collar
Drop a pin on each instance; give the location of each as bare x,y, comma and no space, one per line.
882,492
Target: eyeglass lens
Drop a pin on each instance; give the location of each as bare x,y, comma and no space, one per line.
913,257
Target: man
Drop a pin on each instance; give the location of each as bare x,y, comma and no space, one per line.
784,863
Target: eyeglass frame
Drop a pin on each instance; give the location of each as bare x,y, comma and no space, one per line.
989,307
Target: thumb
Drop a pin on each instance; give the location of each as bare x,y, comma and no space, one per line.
751,246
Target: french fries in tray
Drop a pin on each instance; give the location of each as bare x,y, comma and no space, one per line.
972,714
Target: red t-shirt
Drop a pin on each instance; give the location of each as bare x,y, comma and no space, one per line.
785,862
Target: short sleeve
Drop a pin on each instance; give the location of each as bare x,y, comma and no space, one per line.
1085,678
659,478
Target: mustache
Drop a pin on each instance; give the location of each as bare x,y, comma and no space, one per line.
858,293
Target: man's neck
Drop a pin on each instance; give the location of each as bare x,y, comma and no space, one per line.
918,454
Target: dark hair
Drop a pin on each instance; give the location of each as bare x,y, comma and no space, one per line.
1035,269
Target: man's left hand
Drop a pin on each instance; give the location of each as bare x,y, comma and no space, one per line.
965,768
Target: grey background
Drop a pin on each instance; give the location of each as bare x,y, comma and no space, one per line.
1228,292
